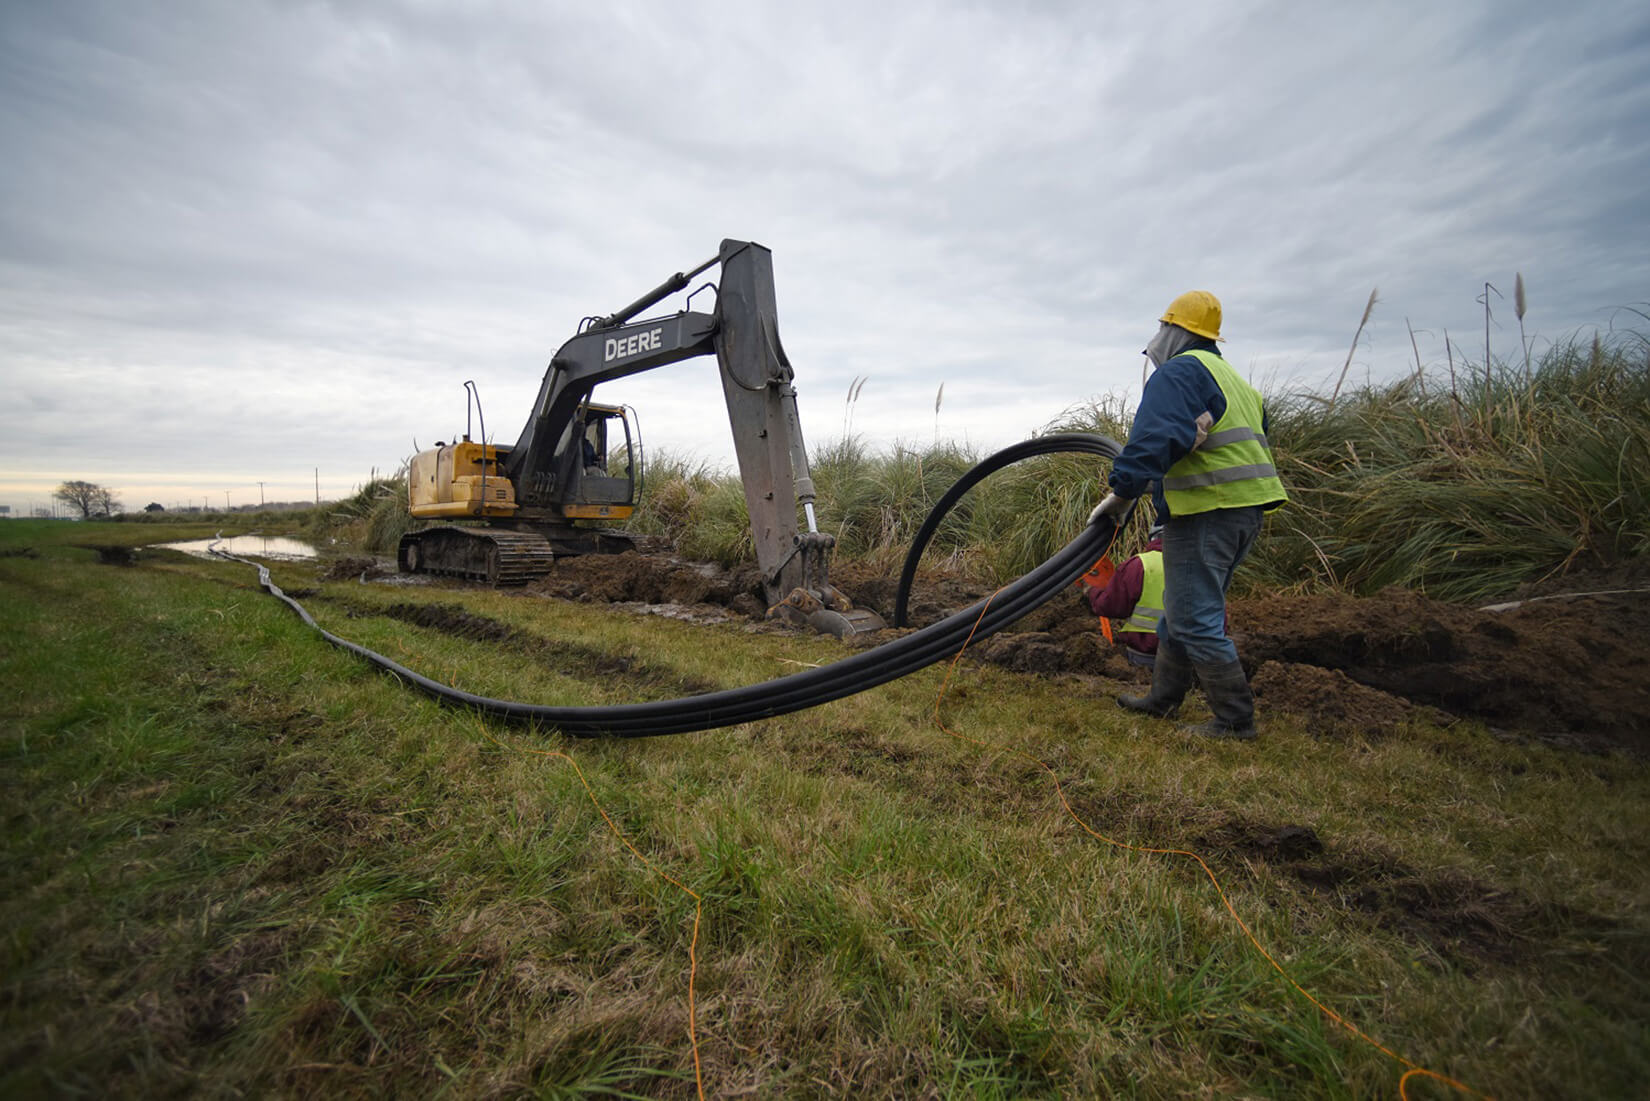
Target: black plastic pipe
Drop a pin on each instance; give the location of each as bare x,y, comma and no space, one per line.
809,688
1086,443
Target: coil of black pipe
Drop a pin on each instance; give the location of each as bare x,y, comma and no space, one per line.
1085,443
798,691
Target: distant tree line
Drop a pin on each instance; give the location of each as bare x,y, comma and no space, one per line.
92,501
88,498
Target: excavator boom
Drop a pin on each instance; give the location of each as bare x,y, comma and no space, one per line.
546,473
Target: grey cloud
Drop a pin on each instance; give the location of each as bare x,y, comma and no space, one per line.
375,201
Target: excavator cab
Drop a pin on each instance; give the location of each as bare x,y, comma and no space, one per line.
606,482
598,467
466,480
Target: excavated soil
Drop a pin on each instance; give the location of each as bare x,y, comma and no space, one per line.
1567,669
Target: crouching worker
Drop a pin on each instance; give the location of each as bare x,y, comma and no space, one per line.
1134,594
1200,433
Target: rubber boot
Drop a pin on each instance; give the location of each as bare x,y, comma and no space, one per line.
1227,691
1171,680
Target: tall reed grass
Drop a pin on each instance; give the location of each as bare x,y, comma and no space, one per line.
1471,485
874,503
373,518
1464,486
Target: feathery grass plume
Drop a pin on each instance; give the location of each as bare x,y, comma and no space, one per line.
1420,372
939,396
1518,308
1489,289
854,388
1369,308
1454,389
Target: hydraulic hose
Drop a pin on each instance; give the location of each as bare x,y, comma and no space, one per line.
796,692
1086,443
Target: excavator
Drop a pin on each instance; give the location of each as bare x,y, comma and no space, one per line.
513,509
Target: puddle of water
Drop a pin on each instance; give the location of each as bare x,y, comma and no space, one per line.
275,547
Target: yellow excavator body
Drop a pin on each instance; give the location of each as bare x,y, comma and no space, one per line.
458,480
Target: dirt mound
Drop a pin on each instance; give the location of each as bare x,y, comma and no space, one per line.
653,579
1336,704
355,568
1566,669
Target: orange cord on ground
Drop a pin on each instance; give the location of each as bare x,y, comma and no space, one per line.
698,903
1413,1069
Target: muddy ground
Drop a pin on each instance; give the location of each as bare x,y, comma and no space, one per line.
1567,669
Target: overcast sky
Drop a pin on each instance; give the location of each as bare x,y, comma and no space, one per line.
243,242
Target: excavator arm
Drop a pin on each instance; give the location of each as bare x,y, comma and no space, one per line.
757,387
544,465
544,456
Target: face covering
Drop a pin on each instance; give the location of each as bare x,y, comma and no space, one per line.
1169,342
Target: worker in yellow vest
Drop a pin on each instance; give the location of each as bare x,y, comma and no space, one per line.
1134,594
1200,435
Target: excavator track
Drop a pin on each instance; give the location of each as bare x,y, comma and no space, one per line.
492,556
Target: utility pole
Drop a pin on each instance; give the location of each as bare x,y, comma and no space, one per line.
317,487
226,500
260,495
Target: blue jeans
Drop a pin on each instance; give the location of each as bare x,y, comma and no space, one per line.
1200,554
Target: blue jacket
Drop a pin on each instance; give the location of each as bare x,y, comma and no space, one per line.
1165,425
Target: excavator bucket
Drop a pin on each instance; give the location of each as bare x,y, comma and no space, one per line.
856,621
815,603
826,611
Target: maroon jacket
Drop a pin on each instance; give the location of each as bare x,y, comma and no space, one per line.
1122,593
1118,598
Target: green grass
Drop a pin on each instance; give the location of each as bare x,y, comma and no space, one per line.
239,861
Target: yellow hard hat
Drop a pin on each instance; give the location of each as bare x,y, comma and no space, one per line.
1196,312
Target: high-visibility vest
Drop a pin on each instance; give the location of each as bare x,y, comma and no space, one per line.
1148,610
1232,467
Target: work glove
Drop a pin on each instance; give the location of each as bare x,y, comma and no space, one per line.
1113,506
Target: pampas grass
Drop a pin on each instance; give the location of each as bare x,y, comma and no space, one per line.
1369,308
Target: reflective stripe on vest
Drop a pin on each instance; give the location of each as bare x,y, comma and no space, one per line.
1149,608
1232,467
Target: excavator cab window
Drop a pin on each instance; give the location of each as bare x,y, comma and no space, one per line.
605,466
595,444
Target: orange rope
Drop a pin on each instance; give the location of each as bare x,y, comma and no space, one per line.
698,903
1413,1068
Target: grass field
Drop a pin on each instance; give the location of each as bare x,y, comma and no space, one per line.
238,861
